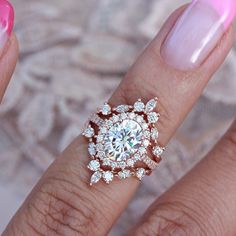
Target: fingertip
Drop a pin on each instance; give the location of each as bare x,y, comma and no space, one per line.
188,44
8,62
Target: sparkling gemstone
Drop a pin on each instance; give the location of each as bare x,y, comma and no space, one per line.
101,155
121,164
123,116
97,120
94,165
113,165
107,162
88,132
130,162
108,123
106,109
103,130
154,134
95,177
99,138
115,118
137,157
132,115
122,108
107,176
146,143
92,149
144,125
140,173
122,140
146,134
99,147
123,174
139,119
142,150
151,105
139,106
153,117
157,151
150,163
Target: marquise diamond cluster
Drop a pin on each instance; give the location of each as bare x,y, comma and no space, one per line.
121,138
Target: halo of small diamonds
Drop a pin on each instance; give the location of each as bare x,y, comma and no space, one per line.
121,137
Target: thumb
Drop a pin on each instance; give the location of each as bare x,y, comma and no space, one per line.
8,45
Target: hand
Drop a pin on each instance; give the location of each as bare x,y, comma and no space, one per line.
175,70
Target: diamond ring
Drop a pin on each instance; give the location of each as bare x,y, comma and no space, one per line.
123,141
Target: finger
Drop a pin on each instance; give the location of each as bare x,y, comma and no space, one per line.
203,202
62,202
8,45
8,62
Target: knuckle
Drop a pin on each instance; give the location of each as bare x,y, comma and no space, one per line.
170,219
59,209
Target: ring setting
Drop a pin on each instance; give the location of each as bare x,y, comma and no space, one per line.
123,141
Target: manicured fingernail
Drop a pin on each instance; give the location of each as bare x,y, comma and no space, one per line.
6,21
197,32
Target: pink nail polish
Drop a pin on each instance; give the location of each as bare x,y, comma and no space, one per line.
197,32
225,8
6,21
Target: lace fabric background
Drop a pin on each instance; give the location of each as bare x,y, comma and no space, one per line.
73,55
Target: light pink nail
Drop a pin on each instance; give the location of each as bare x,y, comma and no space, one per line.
197,32
6,21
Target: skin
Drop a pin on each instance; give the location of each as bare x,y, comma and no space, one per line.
62,203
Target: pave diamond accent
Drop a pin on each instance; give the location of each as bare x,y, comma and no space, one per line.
137,157
99,147
147,134
119,140
101,155
122,108
115,118
153,117
107,176
106,109
150,106
100,138
88,132
157,151
146,143
154,134
124,174
95,177
139,106
149,162
142,150
107,162
140,173
121,164
103,130
130,163
92,149
96,120
94,165
132,115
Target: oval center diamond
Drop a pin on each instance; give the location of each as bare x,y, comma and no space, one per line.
122,140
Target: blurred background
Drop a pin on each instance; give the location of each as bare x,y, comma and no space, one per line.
73,54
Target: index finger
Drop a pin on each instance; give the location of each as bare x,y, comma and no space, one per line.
62,202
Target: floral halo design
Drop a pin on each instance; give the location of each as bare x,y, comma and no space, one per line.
123,141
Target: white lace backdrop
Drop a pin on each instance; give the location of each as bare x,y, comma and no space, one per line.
73,53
